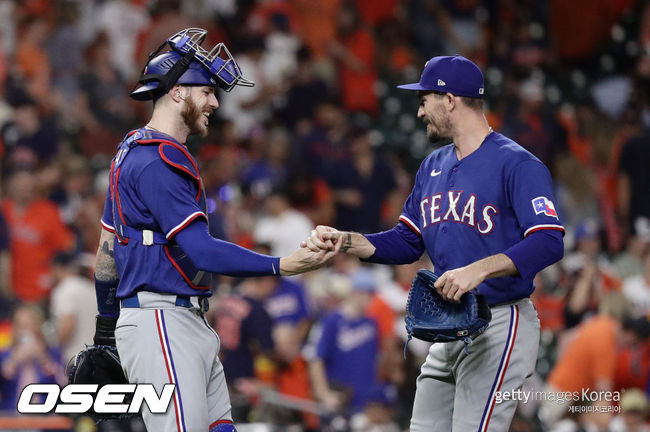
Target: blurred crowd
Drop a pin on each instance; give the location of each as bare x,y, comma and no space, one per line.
325,138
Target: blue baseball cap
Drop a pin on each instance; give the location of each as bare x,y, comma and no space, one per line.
364,280
450,74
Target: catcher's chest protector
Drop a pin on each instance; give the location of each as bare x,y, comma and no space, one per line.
176,156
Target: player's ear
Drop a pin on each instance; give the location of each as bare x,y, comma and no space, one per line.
450,101
177,93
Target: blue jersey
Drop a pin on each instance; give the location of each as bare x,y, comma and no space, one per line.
481,205
155,186
288,303
349,349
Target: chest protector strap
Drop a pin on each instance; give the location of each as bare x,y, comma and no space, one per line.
176,156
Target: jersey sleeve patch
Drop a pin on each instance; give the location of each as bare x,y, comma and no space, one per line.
543,205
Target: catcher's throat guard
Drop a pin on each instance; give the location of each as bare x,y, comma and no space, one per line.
431,318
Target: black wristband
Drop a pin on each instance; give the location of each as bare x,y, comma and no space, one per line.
105,330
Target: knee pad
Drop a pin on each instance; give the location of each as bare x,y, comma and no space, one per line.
222,426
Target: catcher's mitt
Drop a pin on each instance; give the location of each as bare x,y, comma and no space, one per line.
98,364
431,318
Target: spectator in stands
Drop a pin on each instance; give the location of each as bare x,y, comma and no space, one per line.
378,310
291,375
73,305
282,228
325,141
103,108
637,288
634,413
633,179
29,360
633,361
377,415
354,50
589,277
37,234
245,330
531,122
250,108
344,365
268,168
28,137
289,304
305,92
361,185
5,262
31,59
589,359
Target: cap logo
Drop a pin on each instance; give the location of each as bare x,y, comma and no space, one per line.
481,90
441,83
212,80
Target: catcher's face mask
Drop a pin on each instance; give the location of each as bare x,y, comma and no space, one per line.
188,64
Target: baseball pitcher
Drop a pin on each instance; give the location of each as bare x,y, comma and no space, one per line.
483,209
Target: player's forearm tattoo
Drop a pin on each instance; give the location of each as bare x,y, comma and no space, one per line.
348,243
105,269
106,249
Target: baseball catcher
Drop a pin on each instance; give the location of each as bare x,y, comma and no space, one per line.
156,255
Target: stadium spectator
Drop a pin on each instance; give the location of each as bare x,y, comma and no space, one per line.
72,305
637,288
377,415
291,375
289,304
344,365
246,340
354,50
361,185
324,141
5,262
28,360
31,58
633,179
305,92
589,358
29,138
634,412
531,122
103,108
37,234
633,360
282,228
589,277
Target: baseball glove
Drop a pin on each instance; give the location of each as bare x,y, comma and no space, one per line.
431,318
100,364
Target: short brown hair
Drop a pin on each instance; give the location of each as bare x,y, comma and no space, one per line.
473,103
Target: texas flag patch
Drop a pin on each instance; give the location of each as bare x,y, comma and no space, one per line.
544,205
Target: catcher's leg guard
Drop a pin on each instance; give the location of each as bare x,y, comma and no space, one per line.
222,426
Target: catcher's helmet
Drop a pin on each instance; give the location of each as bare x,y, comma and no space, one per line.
188,64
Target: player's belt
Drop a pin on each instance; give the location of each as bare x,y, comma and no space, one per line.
507,303
133,301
